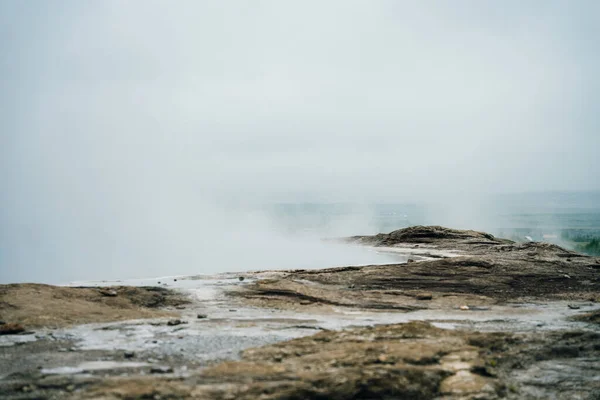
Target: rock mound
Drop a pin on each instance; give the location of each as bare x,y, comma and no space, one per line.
38,305
430,234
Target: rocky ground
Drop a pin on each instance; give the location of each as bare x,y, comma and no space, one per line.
35,305
469,317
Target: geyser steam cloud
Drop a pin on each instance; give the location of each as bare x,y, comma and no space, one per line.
125,124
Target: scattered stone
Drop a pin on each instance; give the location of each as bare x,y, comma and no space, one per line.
424,296
241,278
129,354
305,302
11,329
174,322
180,307
161,370
465,307
478,308
159,282
175,280
232,310
567,276
28,388
108,292
202,316
573,306
410,260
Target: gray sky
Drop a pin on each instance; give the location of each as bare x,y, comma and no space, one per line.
130,115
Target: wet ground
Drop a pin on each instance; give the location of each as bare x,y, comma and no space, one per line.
532,347
215,327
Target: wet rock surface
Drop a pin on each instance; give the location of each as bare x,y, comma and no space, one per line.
413,360
473,317
482,269
36,305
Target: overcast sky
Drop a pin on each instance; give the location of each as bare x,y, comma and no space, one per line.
112,111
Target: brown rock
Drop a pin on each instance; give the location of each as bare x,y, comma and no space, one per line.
424,296
11,329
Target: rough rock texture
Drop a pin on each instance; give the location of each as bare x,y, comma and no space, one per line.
37,305
488,271
438,235
402,361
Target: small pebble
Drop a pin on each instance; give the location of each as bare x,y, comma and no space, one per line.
129,354
241,278
202,316
161,370
424,296
573,306
11,329
464,307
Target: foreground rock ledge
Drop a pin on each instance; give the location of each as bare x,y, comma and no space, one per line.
403,361
45,306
